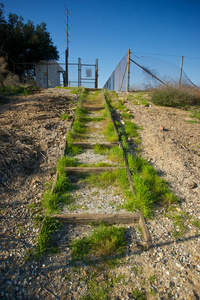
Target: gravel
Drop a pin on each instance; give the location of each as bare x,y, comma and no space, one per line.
170,270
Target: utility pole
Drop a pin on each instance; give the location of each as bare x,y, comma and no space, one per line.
67,51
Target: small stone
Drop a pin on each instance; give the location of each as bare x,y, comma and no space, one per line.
196,258
192,185
84,273
161,128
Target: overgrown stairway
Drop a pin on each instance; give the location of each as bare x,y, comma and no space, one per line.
94,160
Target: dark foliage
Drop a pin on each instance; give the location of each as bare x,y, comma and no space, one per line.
24,43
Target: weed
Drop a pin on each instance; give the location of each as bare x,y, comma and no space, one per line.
72,150
195,114
101,150
73,90
66,161
126,116
116,155
174,97
49,226
191,121
195,223
17,90
72,207
65,117
104,241
78,127
97,289
152,278
138,295
179,224
139,228
110,133
131,129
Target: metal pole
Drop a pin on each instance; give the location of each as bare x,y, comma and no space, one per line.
128,71
67,52
181,72
96,74
79,71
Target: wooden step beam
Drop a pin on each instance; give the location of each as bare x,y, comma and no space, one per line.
92,145
93,108
124,218
93,170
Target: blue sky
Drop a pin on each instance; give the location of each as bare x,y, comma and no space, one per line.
106,29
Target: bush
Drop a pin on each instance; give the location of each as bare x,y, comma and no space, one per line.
175,97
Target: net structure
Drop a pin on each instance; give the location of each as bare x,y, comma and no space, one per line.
118,79
146,72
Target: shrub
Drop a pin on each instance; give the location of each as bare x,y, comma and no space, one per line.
175,97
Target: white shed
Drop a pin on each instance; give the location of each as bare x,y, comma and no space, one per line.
47,74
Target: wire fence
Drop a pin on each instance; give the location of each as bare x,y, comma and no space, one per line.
145,72
118,79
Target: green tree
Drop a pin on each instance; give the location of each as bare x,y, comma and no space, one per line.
24,43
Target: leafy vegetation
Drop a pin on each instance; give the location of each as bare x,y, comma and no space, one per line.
65,116
33,43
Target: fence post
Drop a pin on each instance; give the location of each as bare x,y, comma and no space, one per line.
181,72
128,72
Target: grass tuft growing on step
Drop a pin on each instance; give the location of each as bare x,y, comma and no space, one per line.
104,241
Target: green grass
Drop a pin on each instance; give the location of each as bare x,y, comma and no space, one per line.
72,150
195,114
103,242
73,90
16,90
131,129
191,121
78,127
101,150
138,98
44,241
116,155
180,221
110,133
126,116
149,187
138,295
64,117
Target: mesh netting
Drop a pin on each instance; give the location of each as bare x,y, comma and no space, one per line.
118,79
151,72
146,72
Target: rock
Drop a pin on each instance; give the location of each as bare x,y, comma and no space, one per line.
192,185
161,128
